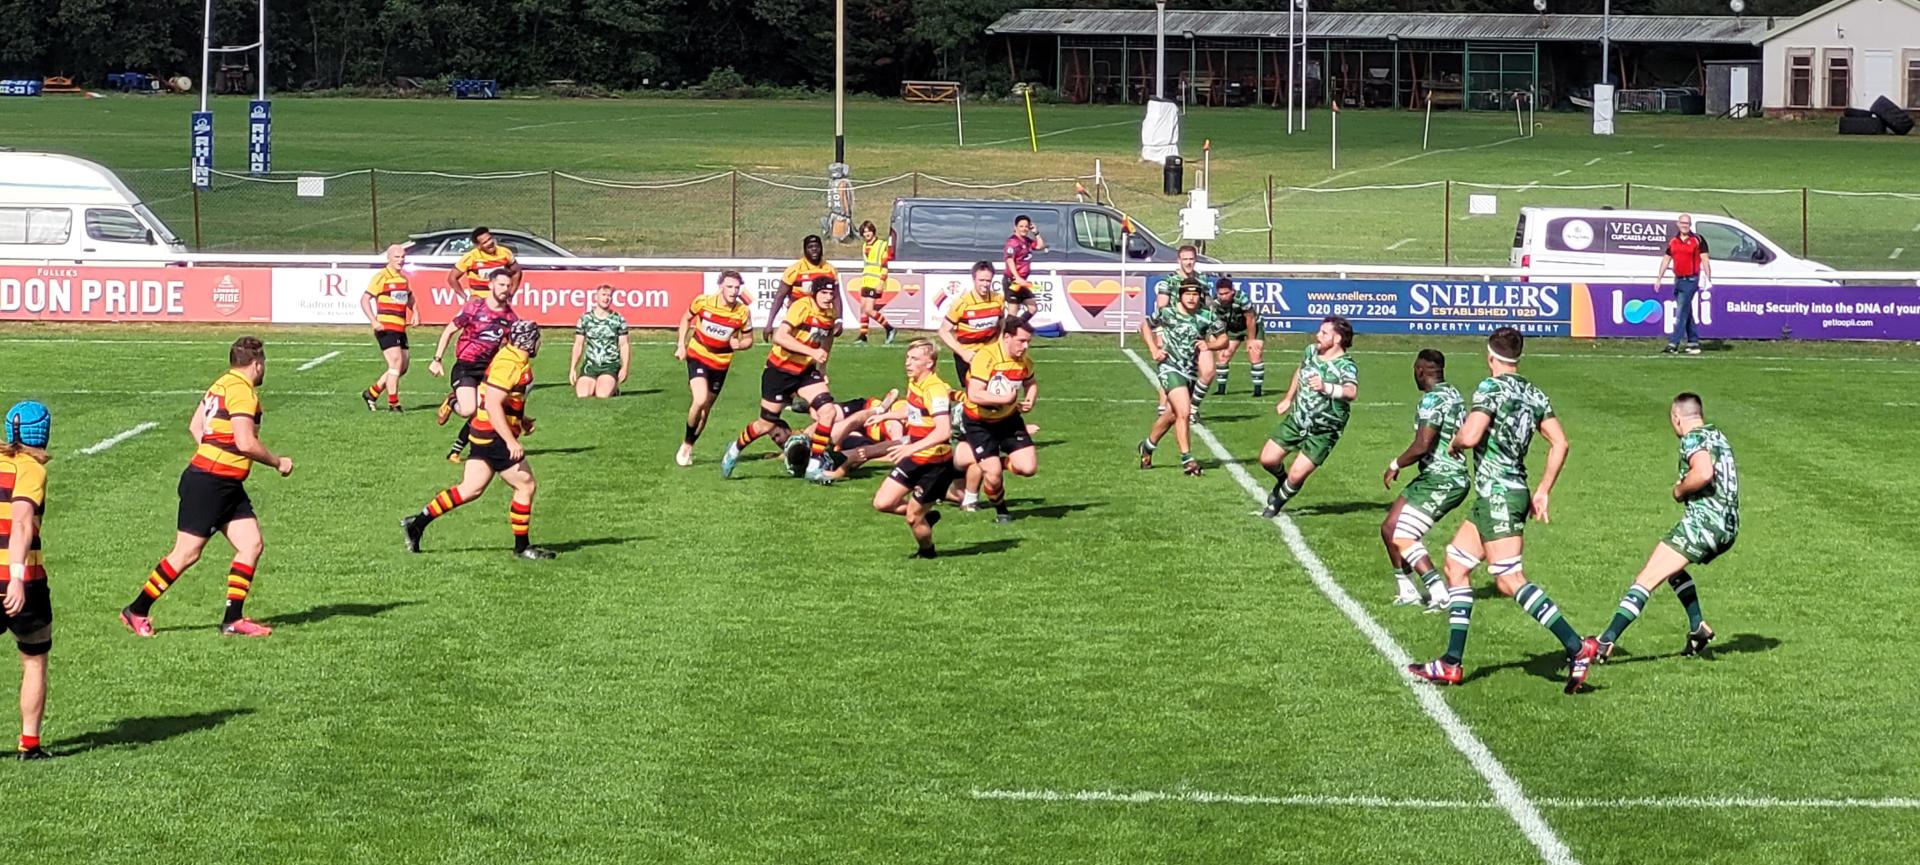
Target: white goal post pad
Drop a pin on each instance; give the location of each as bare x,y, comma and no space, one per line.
1160,131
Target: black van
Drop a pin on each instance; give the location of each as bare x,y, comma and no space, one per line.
967,229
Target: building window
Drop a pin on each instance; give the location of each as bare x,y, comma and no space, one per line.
1913,79
1800,80
1839,78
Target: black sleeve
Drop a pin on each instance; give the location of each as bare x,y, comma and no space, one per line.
1703,243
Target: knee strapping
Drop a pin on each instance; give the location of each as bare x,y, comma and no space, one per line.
824,399
1462,557
771,416
1502,567
1412,525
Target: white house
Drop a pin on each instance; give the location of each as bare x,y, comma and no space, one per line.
1846,53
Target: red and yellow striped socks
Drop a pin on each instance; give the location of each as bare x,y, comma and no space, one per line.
161,578
447,500
520,516
239,582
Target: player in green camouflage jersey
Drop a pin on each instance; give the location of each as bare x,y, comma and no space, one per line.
1442,485
1234,307
600,349
1505,413
1165,294
1709,487
1178,336
1313,413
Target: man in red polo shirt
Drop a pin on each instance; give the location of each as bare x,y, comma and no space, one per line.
1687,256
1019,255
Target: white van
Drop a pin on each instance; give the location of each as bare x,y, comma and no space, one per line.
65,210
1628,244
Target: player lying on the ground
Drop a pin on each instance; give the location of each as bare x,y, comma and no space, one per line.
1313,413
1506,412
1177,336
497,451
1443,483
1709,487
867,430
922,465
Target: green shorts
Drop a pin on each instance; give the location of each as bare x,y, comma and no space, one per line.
596,370
1699,543
1316,447
1173,377
1436,495
1502,515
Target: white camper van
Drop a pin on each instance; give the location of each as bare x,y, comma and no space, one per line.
1628,244
66,210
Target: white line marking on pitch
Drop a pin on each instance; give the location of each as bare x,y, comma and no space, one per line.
116,438
1658,146
1896,252
611,120
1595,160
318,361
1201,797
1506,790
1563,172
1401,242
1626,153
33,340
1916,227
1053,133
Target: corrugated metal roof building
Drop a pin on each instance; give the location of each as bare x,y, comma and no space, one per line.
1367,58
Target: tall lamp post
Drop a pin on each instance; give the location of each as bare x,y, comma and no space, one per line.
840,80
1160,49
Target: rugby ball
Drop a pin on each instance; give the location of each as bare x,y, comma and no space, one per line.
999,385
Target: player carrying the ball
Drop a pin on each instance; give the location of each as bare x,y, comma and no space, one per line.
497,451
1443,483
1000,389
922,465
1313,414
1499,426
1177,336
1709,487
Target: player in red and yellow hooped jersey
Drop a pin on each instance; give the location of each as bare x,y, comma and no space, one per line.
973,319
1000,387
388,305
497,451
474,271
799,278
711,330
923,464
27,612
867,430
795,368
213,496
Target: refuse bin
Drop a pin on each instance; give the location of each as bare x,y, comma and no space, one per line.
1174,180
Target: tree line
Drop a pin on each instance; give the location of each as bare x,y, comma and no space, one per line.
616,44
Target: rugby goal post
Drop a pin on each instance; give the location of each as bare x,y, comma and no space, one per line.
937,92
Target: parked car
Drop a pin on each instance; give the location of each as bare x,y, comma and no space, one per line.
456,242
66,209
967,229
1628,244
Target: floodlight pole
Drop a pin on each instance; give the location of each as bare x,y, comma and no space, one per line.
1160,49
1303,65
260,74
840,80
1290,81
206,55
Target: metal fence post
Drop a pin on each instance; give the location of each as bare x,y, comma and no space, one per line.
733,213
1803,222
1628,201
373,203
553,207
1446,226
916,184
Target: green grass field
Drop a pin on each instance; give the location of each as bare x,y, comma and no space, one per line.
753,671
789,144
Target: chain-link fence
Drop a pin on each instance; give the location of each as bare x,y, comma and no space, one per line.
742,213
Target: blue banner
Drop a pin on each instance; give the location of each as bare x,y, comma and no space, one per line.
203,150
13,87
1398,306
259,137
